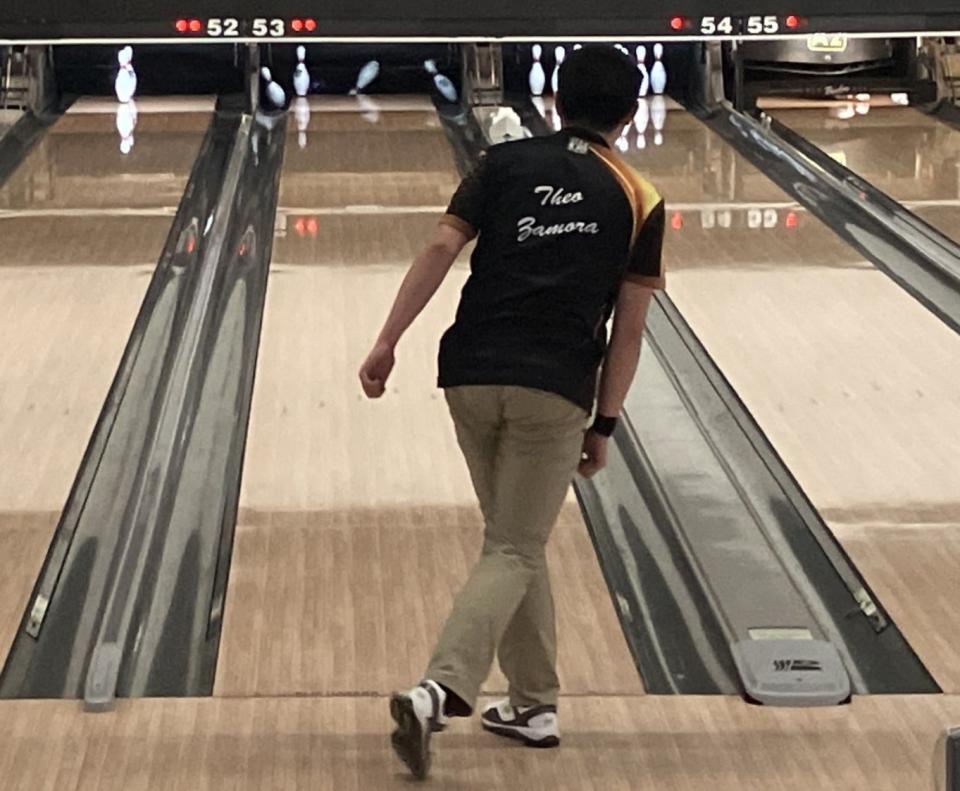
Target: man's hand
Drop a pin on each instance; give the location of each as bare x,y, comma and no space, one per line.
594,454
376,369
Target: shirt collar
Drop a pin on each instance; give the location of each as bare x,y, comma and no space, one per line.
586,134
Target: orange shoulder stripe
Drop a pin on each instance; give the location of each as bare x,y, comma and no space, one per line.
641,193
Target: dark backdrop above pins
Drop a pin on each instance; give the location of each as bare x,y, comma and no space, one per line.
200,69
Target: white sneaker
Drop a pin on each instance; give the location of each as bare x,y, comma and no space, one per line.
535,726
418,713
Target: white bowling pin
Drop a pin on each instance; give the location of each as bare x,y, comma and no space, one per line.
577,46
658,74
301,76
623,145
276,94
365,78
444,84
126,124
126,82
538,77
301,113
644,74
559,55
623,49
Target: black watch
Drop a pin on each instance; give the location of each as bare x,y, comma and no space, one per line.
603,426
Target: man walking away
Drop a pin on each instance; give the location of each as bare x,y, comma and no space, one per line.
567,234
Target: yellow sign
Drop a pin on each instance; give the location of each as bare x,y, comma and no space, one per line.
827,42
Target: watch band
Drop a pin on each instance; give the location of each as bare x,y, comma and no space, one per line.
603,425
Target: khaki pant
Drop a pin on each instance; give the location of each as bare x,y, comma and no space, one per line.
522,447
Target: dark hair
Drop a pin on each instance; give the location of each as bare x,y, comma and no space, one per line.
598,87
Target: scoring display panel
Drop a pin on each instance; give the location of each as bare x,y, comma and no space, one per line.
253,20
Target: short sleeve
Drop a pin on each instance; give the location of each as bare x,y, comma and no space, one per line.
466,209
646,258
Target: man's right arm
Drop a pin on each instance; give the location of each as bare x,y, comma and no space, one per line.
623,352
619,368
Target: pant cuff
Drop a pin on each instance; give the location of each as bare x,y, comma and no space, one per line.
458,703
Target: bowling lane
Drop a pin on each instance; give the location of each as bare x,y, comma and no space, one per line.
83,227
357,522
853,381
911,156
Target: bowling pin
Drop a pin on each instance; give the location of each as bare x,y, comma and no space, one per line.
126,82
538,78
301,113
367,75
644,74
623,145
126,124
658,115
301,76
276,94
658,74
623,49
577,46
443,83
559,55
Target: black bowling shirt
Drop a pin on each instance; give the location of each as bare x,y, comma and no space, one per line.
560,222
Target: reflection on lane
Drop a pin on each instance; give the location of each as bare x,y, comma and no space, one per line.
83,226
849,376
911,156
721,211
7,119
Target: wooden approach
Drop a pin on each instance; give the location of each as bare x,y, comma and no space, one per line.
647,743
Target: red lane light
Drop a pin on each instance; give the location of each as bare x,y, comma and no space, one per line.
313,227
793,21
297,25
792,220
195,26
182,26
676,221
301,226
676,23
310,25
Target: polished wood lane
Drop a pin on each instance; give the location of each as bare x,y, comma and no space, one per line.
358,522
851,378
911,156
69,293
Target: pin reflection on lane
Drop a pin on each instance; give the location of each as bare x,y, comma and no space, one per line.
911,156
